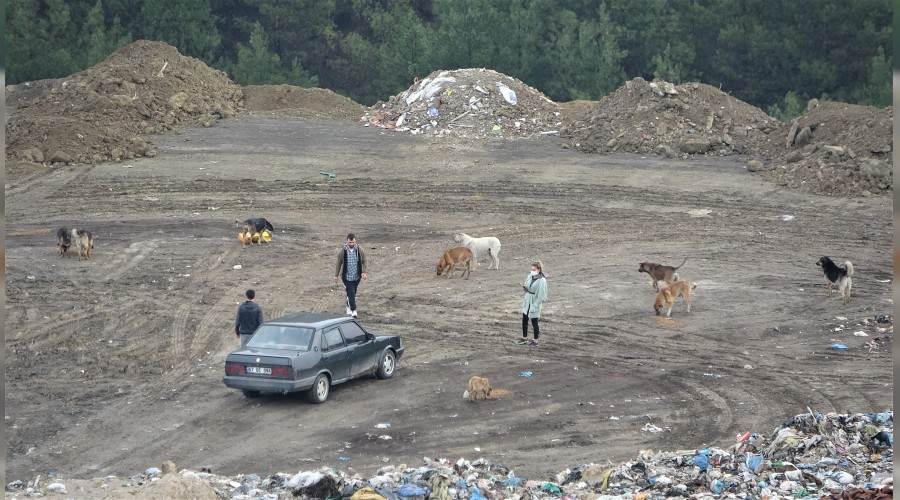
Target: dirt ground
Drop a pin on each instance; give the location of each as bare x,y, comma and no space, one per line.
115,364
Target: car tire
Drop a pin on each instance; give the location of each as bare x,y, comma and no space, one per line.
318,393
251,394
387,364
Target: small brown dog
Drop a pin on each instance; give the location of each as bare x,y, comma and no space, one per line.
659,272
459,255
670,292
84,242
837,275
479,386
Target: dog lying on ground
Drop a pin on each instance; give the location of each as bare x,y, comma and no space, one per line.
479,386
836,275
63,240
84,242
670,292
459,255
659,272
254,226
486,245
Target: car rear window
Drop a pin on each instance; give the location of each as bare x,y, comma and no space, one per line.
281,337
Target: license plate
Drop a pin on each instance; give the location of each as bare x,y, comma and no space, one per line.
259,370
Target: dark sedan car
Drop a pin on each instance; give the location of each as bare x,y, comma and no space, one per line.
310,352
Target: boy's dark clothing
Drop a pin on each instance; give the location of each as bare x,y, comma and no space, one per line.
249,317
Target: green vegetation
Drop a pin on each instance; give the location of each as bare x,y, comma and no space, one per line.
774,54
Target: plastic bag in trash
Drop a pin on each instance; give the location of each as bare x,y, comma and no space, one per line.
754,462
411,490
701,461
475,494
508,94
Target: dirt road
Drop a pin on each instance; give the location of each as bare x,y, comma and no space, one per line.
115,364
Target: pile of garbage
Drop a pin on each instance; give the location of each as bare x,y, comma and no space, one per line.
675,121
809,455
471,103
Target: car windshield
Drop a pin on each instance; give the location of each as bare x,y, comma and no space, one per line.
281,337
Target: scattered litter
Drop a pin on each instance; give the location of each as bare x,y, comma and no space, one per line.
237,267
329,175
383,426
652,428
809,455
837,346
787,218
860,333
526,374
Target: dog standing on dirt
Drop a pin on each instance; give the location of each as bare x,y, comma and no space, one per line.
836,275
459,255
84,242
253,226
479,386
63,240
659,272
670,292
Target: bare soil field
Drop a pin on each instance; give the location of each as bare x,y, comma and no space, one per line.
114,364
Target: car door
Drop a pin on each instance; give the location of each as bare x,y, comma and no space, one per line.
363,356
335,355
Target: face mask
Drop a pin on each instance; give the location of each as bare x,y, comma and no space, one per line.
534,273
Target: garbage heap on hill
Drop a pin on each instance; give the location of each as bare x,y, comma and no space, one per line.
472,103
675,121
809,455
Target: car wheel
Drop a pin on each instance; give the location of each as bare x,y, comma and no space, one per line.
387,365
318,393
251,394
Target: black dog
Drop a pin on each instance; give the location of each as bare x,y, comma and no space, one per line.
835,275
63,240
257,225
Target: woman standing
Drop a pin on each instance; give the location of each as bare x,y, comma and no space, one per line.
535,288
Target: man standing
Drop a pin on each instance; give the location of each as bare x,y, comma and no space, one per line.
351,267
249,317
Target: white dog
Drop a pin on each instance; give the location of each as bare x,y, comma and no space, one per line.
485,245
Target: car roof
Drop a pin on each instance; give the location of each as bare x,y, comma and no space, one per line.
310,319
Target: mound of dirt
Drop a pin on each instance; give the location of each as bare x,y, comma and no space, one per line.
834,149
469,103
289,100
98,114
670,120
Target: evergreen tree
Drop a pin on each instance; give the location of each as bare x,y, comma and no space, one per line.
188,25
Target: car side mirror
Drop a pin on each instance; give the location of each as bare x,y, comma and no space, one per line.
370,336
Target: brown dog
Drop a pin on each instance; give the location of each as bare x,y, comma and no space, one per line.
84,242
479,386
459,255
670,292
659,272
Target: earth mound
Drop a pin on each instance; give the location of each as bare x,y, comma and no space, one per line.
290,100
100,113
675,121
472,103
834,149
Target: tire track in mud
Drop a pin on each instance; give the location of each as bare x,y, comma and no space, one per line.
129,258
24,194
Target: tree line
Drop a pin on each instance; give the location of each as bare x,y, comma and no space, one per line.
774,54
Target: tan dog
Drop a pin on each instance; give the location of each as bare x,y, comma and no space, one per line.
479,386
459,255
670,292
660,272
84,242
